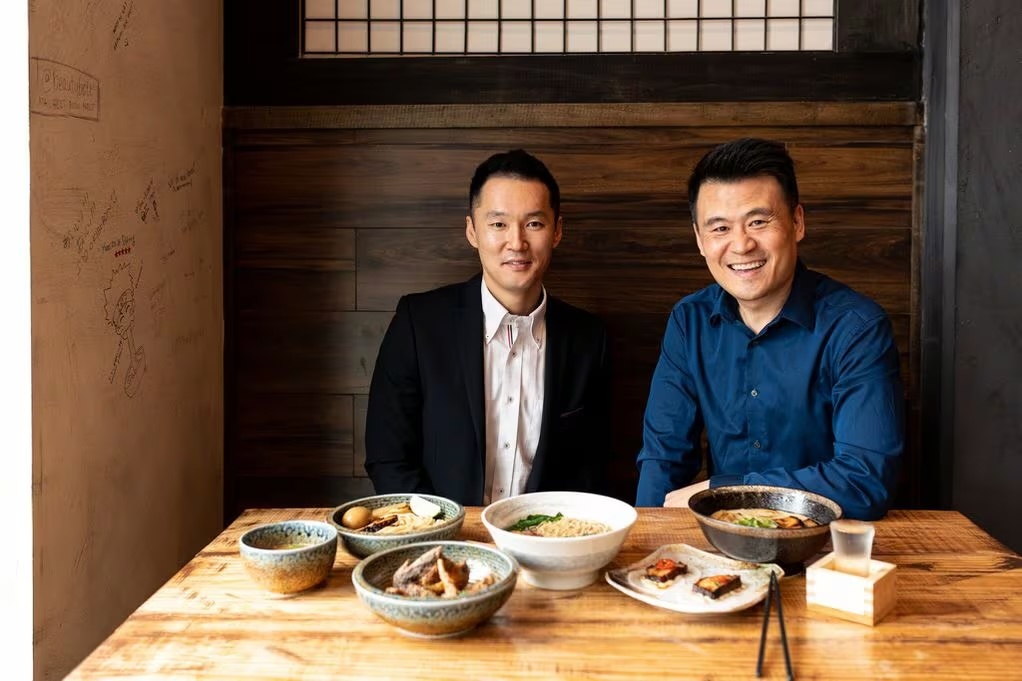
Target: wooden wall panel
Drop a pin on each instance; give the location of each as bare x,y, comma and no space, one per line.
332,226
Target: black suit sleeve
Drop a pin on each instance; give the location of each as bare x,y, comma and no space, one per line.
394,418
600,422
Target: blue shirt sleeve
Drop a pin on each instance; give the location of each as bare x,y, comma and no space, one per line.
670,456
868,428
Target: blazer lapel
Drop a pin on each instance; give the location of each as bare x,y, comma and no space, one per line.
469,332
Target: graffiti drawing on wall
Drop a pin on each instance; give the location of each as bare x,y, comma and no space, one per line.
120,314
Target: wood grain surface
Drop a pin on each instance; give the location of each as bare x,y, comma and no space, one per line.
958,615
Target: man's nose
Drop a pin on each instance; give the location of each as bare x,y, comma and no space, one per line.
516,240
742,241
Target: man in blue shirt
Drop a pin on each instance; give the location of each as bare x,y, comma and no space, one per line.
793,375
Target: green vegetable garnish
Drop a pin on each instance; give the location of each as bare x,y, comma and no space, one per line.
757,522
533,520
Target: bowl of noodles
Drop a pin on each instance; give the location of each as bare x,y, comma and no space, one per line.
561,540
763,524
385,521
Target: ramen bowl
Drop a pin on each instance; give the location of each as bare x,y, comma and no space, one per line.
362,544
290,556
436,617
560,562
788,548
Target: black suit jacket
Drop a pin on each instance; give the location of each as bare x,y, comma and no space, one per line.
425,426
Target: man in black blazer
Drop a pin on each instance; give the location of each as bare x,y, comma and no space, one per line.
491,388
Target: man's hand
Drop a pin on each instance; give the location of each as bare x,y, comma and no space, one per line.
680,497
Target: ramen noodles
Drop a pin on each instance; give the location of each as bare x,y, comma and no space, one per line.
765,517
557,526
393,519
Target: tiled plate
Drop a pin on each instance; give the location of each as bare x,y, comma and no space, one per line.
679,595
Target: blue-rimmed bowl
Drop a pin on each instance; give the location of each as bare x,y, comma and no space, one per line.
289,556
361,544
436,617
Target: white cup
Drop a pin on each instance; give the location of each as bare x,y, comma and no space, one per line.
853,546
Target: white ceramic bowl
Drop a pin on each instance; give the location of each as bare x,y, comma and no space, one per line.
560,562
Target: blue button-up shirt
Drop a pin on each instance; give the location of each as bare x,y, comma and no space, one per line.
813,401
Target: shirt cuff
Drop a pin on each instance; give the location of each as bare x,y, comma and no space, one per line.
726,480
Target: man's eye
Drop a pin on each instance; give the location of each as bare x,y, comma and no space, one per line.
718,229
535,224
497,225
757,223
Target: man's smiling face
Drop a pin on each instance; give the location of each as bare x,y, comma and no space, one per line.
749,237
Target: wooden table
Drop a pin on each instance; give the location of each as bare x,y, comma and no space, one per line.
959,615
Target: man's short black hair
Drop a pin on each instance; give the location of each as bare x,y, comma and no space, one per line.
741,159
517,164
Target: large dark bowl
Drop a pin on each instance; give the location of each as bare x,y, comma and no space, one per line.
788,548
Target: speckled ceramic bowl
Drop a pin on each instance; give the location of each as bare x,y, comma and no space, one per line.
560,562
360,544
289,556
436,617
788,548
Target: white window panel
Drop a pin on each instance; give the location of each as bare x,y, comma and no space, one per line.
681,36
682,9
516,9
516,37
450,9
549,10
817,34
649,36
417,9
385,36
353,37
418,37
783,8
818,8
716,8
750,8
482,9
616,9
616,36
649,9
750,35
384,9
482,37
352,9
320,9
319,36
450,37
550,36
715,35
582,9
782,34
581,36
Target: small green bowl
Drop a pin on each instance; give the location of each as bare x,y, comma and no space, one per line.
289,556
436,617
361,544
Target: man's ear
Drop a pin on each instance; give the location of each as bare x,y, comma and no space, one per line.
558,231
699,240
470,232
799,219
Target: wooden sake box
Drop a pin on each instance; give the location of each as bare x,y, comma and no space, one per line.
865,600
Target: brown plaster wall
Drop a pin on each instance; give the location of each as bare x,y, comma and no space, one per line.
127,331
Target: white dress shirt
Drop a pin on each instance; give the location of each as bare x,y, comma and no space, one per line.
513,365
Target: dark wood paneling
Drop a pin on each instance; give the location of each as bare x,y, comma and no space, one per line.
326,221
877,25
287,434
307,352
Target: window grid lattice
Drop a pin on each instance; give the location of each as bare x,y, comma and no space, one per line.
382,28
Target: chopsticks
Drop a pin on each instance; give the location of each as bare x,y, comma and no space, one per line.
774,593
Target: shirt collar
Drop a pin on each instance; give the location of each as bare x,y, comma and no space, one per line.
798,308
495,314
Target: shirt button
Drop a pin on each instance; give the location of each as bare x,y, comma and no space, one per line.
754,444
754,393
514,354
507,445
510,399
